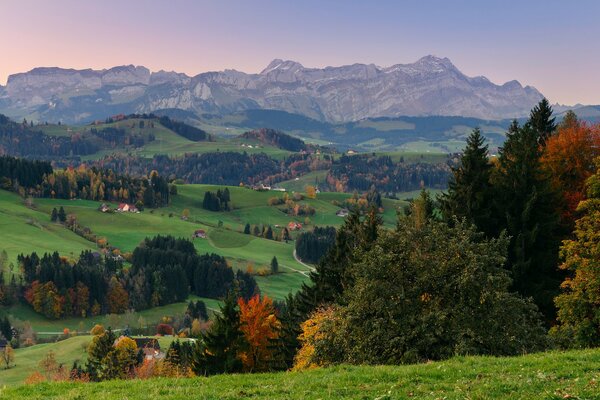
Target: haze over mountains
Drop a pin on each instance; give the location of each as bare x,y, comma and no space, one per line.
430,86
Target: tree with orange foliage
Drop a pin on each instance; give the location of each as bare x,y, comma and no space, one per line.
117,297
569,159
260,327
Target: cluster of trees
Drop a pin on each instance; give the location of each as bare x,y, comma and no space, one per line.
363,202
104,185
267,232
56,288
276,138
187,131
22,140
120,137
312,246
219,201
166,270
364,171
17,172
58,215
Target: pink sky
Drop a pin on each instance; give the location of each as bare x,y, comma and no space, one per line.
549,44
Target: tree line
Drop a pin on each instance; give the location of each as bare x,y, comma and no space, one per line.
163,270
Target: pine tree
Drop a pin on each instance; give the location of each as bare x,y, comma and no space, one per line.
247,229
542,121
470,192
62,216
218,352
524,202
54,216
274,265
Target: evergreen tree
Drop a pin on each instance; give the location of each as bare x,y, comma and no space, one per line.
247,229
525,204
542,121
269,233
54,216
218,351
470,191
62,216
274,265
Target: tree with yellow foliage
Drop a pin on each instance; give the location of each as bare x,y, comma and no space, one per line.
579,304
311,192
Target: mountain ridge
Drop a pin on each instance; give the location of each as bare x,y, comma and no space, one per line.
429,86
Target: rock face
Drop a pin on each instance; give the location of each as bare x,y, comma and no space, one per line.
430,86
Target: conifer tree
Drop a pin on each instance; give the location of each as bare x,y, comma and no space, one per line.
274,265
542,121
54,216
524,202
62,216
218,352
470,192
247,229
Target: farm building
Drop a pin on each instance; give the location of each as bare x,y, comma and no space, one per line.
294,226
199,233
149,346
124,207
342,212
104,208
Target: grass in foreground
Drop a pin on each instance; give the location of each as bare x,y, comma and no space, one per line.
552,375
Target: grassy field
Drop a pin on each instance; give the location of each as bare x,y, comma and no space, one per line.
49,327
24,230
553,375
66,351
166,141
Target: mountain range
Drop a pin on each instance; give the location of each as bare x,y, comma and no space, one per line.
431,86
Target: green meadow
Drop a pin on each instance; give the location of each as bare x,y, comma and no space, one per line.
551,375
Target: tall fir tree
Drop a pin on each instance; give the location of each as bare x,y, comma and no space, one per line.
62,215
542,121
470,191
524,203
217,353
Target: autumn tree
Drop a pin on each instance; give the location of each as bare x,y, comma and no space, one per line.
579,303
7,357
117,297
260,328
568,159
311,191
316,340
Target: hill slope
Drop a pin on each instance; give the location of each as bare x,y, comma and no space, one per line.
551,375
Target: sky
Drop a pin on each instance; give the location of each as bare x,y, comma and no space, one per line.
549,44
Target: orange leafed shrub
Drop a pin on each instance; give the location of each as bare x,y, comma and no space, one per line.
260,327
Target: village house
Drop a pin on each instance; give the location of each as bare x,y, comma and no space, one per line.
104,208
199,233
294,226
124,207
342,212
150,347
351,152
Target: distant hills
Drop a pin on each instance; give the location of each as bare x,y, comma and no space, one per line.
431,86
